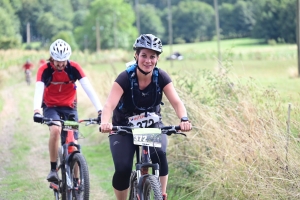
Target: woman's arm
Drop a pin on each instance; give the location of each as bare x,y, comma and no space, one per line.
178,106
175,101
111,103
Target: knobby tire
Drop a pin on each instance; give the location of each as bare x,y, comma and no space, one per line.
152,188
133,185
28,78
63,176
84,180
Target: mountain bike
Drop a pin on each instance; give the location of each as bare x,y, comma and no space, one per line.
28,76
145,186
73,183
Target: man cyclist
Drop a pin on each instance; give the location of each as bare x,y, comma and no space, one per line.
27,65
137,93
55,92
27,68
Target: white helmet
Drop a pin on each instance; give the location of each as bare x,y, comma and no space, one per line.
60,50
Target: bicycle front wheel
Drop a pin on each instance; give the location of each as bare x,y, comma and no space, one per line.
152,188
133,186
80,175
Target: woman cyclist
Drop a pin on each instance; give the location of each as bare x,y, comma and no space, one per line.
55,92
138,91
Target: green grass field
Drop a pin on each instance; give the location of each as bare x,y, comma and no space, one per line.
236,150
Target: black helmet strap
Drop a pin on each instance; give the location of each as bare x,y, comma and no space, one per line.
142,71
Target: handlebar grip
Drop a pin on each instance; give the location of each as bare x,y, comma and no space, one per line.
117,128
177,128
45,119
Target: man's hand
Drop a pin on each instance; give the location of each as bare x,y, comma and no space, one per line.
38,118
99,116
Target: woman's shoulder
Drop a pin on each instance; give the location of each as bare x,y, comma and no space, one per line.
122,78
123,74
162,72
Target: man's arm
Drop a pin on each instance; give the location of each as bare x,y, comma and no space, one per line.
87,87
38,96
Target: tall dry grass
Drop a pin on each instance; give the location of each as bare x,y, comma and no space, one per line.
241,146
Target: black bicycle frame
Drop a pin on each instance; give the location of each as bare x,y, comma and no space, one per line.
66,161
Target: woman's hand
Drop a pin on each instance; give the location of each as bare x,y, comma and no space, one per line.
185,126
105,127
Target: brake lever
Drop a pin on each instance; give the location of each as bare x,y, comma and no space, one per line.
88,123
169,132
173,131
52,123
181,133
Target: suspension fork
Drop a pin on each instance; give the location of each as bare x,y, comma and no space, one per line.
144,162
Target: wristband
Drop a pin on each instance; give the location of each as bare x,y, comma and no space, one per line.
184,119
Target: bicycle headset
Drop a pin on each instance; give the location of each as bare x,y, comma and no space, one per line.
131,71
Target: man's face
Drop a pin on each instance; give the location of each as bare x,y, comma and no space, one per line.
60,65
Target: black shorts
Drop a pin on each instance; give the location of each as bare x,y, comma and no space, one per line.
57,113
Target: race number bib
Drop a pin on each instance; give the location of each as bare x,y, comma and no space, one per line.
71,125
142,121
147,137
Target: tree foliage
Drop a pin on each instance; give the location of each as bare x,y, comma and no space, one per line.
276,20
192,24
192,20
9,26
115,20
150,21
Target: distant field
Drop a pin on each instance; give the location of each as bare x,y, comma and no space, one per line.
271,66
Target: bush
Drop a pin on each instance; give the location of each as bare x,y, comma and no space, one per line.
179,40
9,42
272,42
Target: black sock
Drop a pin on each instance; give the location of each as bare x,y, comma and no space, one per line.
53,165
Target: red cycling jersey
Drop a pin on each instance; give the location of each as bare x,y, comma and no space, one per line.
27,65
59,89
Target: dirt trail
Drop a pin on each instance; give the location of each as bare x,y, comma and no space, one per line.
7,127
18,100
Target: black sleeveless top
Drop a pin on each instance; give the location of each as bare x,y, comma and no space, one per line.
142,98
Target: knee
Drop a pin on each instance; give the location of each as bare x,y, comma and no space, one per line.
54,132
161,158
121,179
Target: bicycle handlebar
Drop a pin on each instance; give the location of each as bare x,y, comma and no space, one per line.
90,121
168,130
50,121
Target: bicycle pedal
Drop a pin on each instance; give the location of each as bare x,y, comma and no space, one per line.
54,185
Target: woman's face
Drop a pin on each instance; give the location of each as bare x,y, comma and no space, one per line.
59,65
147,59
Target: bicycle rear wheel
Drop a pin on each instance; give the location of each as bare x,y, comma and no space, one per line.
152,188
133,184
79,169
28,78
